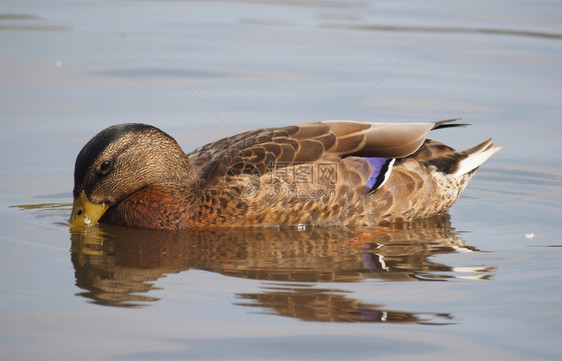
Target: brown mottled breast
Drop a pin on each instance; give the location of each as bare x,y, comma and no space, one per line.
152,207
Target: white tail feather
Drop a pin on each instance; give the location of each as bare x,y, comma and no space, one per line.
475,159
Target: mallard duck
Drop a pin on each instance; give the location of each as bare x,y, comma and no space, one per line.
324,173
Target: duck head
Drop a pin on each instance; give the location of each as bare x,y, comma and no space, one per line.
120,160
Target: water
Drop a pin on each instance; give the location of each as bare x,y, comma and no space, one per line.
483,283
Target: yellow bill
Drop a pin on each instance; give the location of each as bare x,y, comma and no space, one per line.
86,213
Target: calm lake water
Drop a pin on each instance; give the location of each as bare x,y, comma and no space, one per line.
484,282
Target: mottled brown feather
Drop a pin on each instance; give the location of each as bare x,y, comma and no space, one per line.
309,173
312,141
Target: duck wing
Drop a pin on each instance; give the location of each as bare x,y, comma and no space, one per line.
256,151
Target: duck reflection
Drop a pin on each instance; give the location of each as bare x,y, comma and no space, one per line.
118,266
331,305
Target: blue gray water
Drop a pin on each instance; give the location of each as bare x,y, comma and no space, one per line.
484,282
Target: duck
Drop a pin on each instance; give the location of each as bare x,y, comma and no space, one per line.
327,173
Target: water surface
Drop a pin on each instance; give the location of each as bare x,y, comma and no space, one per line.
482,282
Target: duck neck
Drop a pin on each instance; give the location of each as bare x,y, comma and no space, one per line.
178,170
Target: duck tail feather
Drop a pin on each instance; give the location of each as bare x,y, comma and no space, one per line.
446,124
476,156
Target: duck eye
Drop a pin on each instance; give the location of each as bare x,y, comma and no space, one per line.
104,167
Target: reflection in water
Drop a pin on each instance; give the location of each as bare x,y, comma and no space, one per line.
329,305
445,30
118,266
26,18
